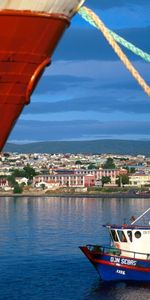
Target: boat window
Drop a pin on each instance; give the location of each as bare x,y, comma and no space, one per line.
129,233
137,234
114,235
122,236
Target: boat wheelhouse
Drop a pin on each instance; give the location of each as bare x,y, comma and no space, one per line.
128,255
131,238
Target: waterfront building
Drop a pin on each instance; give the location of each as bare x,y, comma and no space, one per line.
78,177
139,179
3,182
22,180
66,180
97,173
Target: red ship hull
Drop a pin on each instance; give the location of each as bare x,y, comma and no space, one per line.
28,40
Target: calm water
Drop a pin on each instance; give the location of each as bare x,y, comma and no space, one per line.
39,254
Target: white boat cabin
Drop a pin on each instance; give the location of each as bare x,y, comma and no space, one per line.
132,240
135,239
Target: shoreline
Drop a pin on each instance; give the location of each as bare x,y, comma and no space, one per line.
80,195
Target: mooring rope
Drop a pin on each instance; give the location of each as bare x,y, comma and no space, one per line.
91,17
130,46
119,39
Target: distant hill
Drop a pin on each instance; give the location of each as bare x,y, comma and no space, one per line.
98,146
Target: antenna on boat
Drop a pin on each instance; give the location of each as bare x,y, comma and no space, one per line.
137,219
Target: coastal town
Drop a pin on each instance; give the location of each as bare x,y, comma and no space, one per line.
73,173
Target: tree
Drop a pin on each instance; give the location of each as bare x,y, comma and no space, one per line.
11,180
43,186
91,166
78,162
18,173
29,172
122,180
18,189
109,164
130,170
105,179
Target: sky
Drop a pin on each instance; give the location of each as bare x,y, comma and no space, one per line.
87,93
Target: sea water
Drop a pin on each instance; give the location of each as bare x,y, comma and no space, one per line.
40,257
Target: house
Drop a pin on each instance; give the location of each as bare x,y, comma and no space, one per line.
22,180
48,185
139,179
66,179
3,182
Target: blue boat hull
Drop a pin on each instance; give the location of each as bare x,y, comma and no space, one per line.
116,273
118,268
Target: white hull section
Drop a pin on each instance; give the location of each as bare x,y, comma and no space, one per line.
65,7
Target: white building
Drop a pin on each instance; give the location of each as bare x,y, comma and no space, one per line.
139,179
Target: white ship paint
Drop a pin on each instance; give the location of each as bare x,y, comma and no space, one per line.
65,7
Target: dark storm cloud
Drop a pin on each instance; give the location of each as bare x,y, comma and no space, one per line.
107,4
35,130
92,45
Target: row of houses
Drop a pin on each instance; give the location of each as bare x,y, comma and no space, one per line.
87,178
81,178
77,178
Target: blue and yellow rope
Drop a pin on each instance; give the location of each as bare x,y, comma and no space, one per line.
112,38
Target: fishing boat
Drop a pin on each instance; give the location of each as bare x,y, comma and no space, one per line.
30,31
127,257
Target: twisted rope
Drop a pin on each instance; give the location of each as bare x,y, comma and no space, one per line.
130,46
117,38
89,15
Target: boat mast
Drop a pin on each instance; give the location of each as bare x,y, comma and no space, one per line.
140,217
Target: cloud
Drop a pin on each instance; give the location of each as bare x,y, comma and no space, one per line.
106,72
121,101
58,83
92,45
121,13
87,93
106,87
72,130
107,4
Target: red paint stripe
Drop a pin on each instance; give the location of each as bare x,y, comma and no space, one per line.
104,262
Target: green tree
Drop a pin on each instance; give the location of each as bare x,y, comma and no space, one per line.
78,162
105,179
11,180
122,180
18,173
29,172
43,186
18,189
91,166
109,164
130,170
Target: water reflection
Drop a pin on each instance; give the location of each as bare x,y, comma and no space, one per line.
118,291
30,226
39,254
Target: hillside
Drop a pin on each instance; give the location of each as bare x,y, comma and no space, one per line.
98,146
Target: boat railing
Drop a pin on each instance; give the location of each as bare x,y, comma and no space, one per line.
115,251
